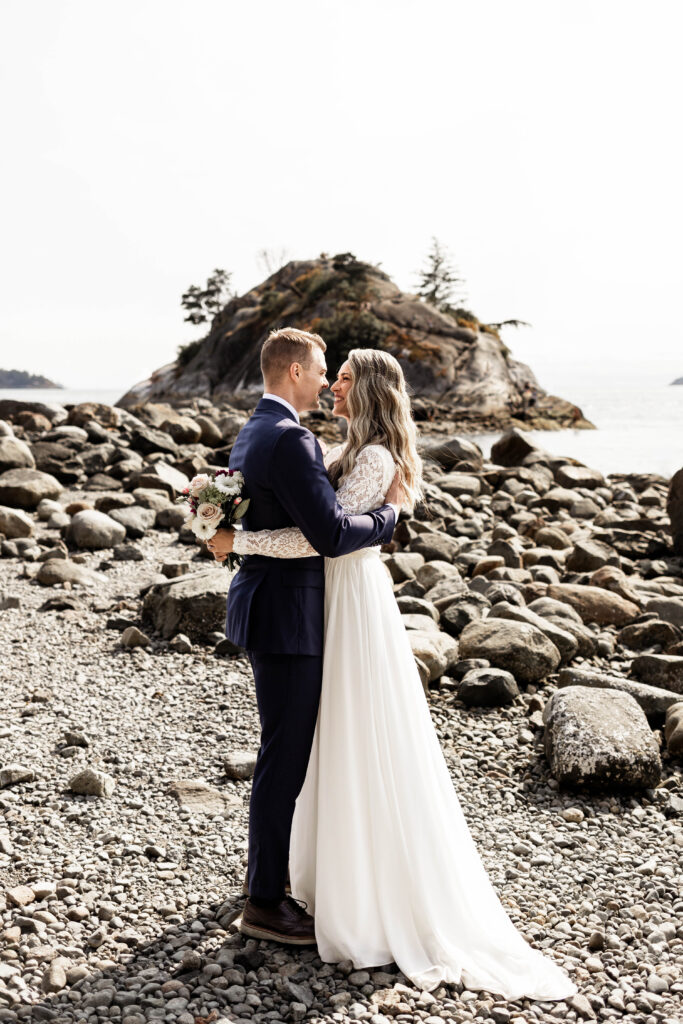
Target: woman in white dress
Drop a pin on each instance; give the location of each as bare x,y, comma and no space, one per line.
380,850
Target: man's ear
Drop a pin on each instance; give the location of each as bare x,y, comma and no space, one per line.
295,371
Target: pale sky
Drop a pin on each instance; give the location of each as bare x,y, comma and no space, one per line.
147,142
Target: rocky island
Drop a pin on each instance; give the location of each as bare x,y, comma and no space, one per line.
22,379
544,606
459,369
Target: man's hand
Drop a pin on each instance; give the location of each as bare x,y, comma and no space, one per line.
396,494
220,544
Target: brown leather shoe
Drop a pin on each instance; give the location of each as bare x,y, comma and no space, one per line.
245,884
287,923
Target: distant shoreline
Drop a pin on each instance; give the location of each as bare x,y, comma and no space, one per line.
26,381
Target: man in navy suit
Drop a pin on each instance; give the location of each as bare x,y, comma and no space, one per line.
275,609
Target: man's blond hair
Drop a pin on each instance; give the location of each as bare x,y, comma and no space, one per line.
286,346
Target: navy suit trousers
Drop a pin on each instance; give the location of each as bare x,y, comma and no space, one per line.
288,694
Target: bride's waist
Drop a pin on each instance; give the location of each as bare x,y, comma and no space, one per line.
373,553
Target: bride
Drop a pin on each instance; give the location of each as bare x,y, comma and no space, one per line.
380,848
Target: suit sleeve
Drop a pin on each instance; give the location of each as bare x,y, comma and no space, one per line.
299,480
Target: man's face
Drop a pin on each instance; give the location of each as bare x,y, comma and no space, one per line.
312,382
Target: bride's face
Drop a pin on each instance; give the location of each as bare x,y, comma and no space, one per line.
340,390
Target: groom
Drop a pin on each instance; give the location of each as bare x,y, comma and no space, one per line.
275,609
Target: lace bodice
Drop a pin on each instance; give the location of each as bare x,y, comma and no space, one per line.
363,490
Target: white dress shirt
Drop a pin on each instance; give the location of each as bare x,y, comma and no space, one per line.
283,401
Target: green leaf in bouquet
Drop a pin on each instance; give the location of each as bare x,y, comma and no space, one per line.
241,509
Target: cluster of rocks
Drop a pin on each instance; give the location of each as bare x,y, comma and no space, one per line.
544,605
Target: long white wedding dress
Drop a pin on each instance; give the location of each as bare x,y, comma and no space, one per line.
381,851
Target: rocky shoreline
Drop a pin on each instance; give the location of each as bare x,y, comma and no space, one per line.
545,610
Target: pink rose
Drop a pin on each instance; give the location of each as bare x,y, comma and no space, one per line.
209,513
198,483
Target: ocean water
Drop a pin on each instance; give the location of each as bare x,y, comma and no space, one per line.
640,424
639,427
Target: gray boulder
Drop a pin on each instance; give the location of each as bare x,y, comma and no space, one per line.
487,687
579,476
403,565
133,637
94,530
674,507
26,488
417,606
599,738
548,606
436,650
183,430
595,604
450,452
193,604
15,523
147,440
199,797
14,454
62,570
170,518
552,537
670,609
673,729
566,644
460,612
435,546
516,646
654,700
588,555
240,764
159,476
458,484
135,520
92,782
641,635
512,448
437,571
665,670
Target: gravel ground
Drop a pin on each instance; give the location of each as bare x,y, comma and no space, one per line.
123,907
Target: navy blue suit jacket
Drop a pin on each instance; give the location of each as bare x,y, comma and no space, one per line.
275,605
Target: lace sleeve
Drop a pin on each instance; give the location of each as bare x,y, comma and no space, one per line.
286,543
364,488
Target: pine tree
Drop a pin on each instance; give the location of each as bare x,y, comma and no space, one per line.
202,304
440,284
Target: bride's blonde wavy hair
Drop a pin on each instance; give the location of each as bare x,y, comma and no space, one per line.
379,413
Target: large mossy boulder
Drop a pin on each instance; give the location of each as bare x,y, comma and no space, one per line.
193,604
600,738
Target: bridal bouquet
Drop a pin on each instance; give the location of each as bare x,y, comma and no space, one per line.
215,500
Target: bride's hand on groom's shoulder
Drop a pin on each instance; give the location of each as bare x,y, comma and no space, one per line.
396,494
220,545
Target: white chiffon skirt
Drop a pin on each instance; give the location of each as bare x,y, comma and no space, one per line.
380,849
